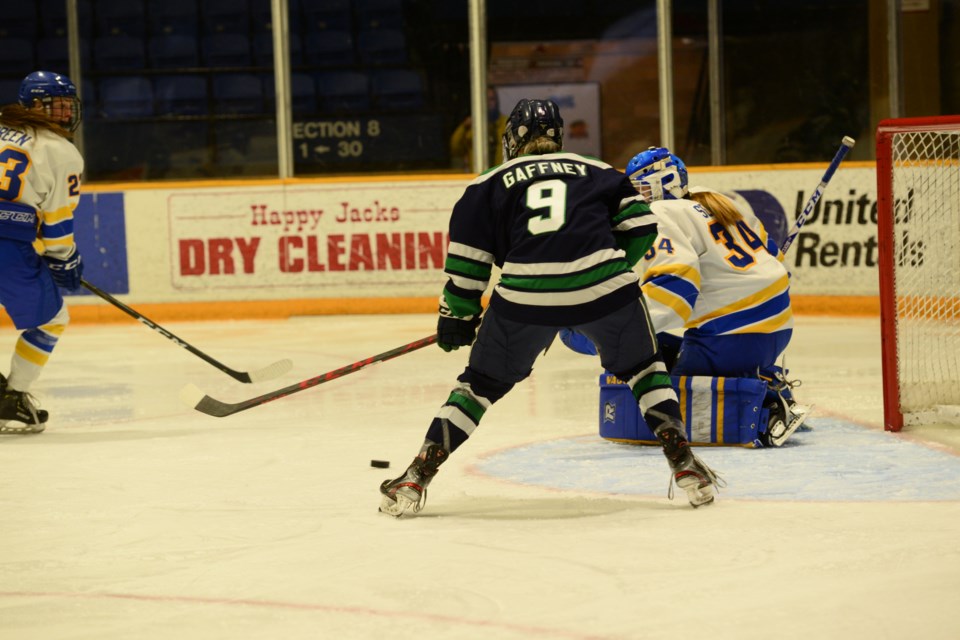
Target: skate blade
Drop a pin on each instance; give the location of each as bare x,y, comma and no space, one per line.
795,424
397,507
21,428
699,492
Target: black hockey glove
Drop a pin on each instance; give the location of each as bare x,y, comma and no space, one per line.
454,332
66,272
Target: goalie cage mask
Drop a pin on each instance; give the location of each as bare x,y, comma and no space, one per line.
658,174
529,120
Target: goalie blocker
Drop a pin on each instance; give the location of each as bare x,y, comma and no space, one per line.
716,411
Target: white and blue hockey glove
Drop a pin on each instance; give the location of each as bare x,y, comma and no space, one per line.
577,342
67,271
454,332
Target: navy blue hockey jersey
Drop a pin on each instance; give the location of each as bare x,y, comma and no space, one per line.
565,231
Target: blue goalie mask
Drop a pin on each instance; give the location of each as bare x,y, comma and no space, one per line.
56,93
529,120
658,174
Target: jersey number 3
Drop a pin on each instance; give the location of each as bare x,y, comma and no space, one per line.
550,195
13,164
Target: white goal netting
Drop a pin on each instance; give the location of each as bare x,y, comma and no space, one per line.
925,166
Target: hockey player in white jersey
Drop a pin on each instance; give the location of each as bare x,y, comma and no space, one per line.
714,273
40,172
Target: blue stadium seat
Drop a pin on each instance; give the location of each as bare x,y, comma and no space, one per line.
303,93
174,17
240,93
263,49
52,54
343,91
53,18
320,15
88,97
9,90
379,14
397,89
182,95
226,50
226,16
170,52
330,48
128,97
261,14
19,20
121,17
16,56
382,46
118,53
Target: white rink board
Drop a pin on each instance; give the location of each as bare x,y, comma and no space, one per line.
376,239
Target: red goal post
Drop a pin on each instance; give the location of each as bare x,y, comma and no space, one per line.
918,229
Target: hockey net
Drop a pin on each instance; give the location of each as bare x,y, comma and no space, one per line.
918,206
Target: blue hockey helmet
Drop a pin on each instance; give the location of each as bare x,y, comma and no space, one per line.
658,174
529,120
45,86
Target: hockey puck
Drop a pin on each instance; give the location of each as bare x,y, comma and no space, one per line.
380,464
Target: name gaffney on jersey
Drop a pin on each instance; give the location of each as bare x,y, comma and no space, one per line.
536,169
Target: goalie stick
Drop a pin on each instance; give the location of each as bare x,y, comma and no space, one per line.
266,373
845,147
193,397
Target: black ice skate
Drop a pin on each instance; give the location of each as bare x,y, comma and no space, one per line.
19,412
689,472
785,418
409,491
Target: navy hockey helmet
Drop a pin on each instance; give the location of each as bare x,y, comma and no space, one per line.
529,120
47,85
658,174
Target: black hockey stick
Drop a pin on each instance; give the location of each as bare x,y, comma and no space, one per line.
271,371
193,397
845,146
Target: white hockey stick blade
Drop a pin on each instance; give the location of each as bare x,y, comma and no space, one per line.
191,395
271,371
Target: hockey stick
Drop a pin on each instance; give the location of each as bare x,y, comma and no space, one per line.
271,371
193,397
845,147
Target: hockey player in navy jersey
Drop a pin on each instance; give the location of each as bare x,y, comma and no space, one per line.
714,273
40,187
565,231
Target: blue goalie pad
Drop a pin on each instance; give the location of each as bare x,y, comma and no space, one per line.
716,411
577,342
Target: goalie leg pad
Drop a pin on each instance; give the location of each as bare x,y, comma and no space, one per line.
715,411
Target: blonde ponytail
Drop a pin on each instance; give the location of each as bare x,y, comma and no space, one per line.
720,207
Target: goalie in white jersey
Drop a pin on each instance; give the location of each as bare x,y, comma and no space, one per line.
40,173
714,273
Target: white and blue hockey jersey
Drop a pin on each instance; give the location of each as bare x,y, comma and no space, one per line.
701,275
39,189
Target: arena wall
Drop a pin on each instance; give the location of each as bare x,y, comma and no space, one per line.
277,248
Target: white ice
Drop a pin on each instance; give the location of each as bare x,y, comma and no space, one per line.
135,517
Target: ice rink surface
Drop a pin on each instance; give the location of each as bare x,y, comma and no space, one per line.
135,517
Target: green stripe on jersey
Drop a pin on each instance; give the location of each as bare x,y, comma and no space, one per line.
635,209
461,307
580,280
454,264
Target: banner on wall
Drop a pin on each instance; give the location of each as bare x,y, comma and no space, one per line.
579,107
388,239
339,240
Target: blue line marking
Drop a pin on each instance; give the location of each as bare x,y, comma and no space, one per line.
835,461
